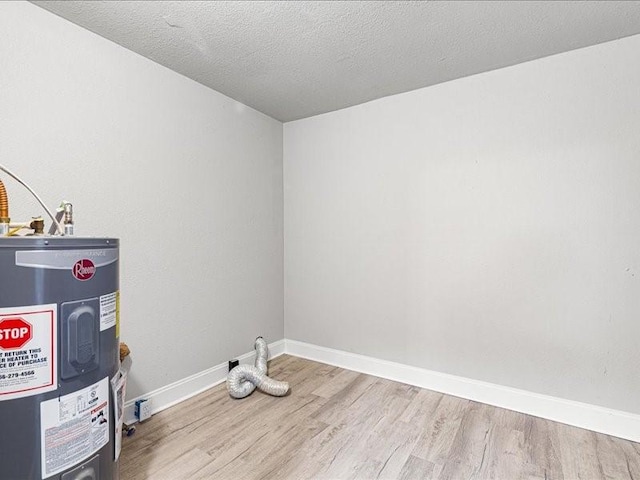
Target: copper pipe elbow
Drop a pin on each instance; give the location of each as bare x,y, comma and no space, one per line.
4,204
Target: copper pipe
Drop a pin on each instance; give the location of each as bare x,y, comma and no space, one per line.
4,204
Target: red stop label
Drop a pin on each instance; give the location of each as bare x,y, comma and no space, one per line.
14,333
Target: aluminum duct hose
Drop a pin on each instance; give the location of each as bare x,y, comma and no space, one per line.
244,379
262,351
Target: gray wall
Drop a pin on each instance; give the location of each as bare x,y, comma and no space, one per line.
486,227
190,180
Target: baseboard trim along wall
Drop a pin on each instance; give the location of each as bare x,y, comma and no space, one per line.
592,417
599,419
182,390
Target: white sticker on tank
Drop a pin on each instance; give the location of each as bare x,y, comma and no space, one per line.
108,310
73,427
28,351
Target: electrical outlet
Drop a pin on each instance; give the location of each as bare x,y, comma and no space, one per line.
142,409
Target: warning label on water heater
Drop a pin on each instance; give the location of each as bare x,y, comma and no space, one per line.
28,351
73,427
108,310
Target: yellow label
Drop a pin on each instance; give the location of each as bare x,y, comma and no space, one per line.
118,314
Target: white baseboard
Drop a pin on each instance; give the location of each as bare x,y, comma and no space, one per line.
186,388
591,417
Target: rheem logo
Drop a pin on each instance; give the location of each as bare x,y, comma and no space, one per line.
84,269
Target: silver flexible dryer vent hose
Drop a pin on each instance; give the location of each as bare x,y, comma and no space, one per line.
244,379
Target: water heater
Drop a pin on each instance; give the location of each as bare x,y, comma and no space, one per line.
59,350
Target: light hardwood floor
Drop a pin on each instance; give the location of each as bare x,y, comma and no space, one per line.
339,424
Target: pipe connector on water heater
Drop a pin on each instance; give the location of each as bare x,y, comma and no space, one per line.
37,225
68,218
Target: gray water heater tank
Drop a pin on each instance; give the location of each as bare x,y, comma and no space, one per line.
59,329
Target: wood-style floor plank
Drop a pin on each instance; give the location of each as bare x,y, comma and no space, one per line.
338,424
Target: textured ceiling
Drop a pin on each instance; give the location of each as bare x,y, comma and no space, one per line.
296,59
